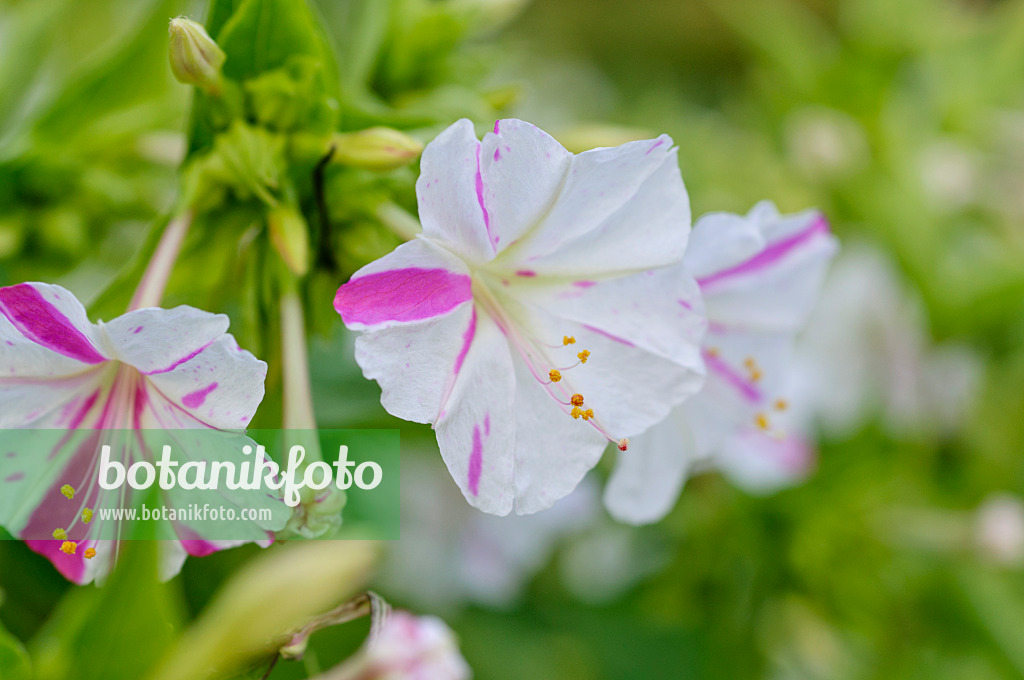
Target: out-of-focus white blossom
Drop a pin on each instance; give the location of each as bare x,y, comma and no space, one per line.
450,554
999,529
866,352
406,647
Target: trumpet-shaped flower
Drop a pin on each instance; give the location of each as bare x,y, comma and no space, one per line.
148,369
542,313
759,275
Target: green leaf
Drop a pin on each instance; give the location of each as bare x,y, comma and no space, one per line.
14,661
114,632
261,35
120,96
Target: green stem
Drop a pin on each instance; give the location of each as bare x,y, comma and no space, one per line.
298,392
398,220
158,272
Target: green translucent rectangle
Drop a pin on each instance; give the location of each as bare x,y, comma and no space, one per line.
83,486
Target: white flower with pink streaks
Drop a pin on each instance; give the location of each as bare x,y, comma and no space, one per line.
759,275
542,313
147,369
406,647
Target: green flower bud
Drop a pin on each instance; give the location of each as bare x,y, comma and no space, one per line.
290,236
195,58
378,148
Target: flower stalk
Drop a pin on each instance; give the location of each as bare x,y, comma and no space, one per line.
158,272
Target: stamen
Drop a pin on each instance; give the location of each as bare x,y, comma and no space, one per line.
623,444
762,421
536,355
68,491
87,515
713,352
68,547
576,400
90,553
781,404
60,534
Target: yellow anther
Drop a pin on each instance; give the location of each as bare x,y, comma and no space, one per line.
68,491
87,515
755,376
583,356
762,421
576,400
568,340
68,547
623,444
713,352
750,363
588,414
60,534
90,553
554,375
781,404
576,412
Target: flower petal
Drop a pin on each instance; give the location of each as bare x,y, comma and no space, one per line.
220,387
417,282
648,477
450,193
763,463
622,209
48,328
476,429
159,340
522,171
417,365
553,452
643,333
776,288
721,241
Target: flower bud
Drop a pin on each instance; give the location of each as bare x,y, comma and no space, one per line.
290,236
406,647
378,148
195,58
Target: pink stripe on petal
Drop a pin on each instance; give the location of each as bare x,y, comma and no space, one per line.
401,295
608,335
467,342
197,398
44,324
480,199
183,360
199,547
770,255
726,372
476,459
